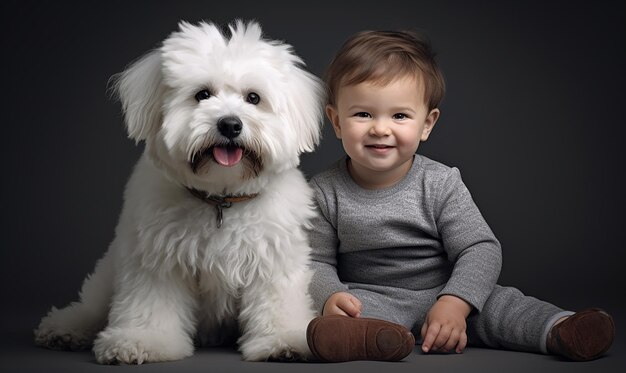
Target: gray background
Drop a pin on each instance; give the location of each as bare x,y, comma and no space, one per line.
533,117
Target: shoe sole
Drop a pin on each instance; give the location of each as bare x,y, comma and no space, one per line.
390,343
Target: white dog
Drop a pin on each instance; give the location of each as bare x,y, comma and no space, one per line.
212,233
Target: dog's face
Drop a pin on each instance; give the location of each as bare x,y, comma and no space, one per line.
219,112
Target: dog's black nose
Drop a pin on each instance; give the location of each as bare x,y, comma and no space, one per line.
230,126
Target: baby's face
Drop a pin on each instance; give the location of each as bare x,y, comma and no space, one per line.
380,128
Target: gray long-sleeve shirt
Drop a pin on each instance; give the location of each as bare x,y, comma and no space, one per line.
423,232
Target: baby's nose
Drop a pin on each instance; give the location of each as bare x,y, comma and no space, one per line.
380,129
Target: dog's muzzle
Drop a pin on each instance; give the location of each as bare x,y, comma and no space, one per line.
231,152
227,155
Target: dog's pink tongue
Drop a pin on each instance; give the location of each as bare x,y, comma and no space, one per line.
227,155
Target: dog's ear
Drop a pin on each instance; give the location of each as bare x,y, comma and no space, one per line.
306,109
140,91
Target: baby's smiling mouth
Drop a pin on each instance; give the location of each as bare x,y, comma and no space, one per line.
379,149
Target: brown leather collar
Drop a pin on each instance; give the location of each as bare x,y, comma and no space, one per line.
220,202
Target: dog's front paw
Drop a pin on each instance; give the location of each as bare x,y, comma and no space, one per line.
64,330
273,348
120,352
288,355
138,346
273,353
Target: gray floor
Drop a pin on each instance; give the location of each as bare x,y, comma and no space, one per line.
18,354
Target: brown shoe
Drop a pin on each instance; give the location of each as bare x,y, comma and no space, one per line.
337,338
586,335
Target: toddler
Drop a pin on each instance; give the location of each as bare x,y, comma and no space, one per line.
399,247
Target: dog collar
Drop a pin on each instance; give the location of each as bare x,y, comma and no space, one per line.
220,202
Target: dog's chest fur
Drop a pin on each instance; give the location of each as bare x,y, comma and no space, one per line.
176,231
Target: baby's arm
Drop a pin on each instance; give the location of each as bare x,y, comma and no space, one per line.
323,239
477,257
469,243
444,327
342,303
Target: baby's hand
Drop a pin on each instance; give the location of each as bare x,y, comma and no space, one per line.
444,328
342,303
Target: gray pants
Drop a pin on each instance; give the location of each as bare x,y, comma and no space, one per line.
509,319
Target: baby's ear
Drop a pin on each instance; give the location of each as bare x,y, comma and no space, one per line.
140,91
333,118
429,123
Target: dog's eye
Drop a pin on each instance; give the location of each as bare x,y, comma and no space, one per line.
253,98
203,95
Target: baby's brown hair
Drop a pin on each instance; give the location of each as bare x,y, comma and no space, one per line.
382,56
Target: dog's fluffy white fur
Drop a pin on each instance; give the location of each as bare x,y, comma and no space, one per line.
171,276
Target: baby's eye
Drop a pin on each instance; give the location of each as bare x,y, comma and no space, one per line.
362,114
400,116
